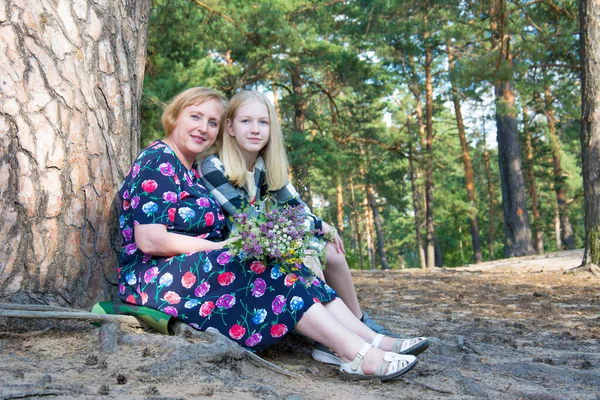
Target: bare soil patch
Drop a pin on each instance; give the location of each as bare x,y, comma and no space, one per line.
511,329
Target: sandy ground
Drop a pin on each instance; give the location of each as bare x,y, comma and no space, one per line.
511,329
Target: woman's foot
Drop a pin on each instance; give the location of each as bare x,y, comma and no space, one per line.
370,363
412,346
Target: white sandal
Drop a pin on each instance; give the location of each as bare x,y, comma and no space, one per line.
393,365
412,346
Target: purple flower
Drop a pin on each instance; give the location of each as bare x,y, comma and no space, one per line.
254,340
170,310
135,201
130,248
202,289
126,195
135,170
171,197
203,202
166,169
146,257
258,287
226,301
224,258
121,288
278,304
127,232
151,274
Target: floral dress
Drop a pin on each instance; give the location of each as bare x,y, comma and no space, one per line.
252,303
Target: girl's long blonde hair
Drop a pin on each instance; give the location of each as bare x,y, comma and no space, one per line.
276,162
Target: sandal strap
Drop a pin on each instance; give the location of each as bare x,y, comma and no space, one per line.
360,356
377,341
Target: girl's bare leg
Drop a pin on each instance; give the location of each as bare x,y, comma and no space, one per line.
337,275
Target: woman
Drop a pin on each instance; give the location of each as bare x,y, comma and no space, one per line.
173,257
252,163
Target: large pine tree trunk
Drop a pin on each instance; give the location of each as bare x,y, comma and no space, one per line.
514,200
590,125
469,176
416,205
71,80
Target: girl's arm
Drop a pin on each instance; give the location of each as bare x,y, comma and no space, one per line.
154,239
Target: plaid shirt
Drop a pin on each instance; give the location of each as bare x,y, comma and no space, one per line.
235,199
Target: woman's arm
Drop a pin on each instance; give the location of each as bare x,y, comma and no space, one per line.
154,239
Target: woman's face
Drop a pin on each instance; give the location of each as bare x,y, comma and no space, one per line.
251,129
195,130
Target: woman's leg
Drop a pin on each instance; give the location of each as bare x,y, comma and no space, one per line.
337,275
319,324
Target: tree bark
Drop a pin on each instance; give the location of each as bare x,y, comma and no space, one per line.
560,186
529,163
514,200
369,232
71,76
590,125
469,176
339,190
354,217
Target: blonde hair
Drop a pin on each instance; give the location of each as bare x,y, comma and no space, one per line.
189,97
276,162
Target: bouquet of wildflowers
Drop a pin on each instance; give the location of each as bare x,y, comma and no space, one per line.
279,235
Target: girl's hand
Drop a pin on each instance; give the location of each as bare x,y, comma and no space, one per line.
314,264
337,240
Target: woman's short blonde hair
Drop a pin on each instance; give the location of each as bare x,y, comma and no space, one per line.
276,162
190,97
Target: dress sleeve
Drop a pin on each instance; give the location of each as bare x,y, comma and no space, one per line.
212,173
154,188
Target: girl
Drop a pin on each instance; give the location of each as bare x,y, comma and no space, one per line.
251,162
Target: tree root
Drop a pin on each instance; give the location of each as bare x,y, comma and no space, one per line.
37,393
589,268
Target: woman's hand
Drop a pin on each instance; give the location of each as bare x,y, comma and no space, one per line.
337,240
314,264
230,240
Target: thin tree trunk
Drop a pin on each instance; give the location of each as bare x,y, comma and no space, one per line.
590,125
514,200
429,153
560,186
557,227
490,187
416,200
356,224
469,176
369,232
71,87
529,163
339,190
300,171
378,228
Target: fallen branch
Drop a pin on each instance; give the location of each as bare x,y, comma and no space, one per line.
80,315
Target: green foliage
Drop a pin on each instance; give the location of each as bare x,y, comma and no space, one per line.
348,75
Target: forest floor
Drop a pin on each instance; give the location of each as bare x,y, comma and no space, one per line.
509,329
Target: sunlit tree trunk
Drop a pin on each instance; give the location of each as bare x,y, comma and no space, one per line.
71,80
369,232
514,199
560,187
469,176
490,190
378,228
429,152
357,233
537,223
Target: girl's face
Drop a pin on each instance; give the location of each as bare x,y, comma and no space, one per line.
195,130
251,128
